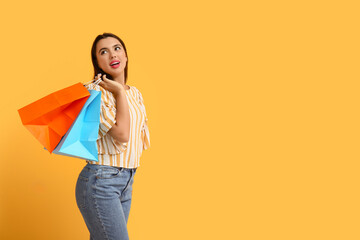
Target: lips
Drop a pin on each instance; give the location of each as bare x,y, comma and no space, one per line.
115,64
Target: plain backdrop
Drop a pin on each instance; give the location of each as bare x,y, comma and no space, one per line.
253,111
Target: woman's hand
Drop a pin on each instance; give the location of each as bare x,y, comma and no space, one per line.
112,86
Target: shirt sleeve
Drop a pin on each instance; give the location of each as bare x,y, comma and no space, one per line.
107,114
107,119
145,134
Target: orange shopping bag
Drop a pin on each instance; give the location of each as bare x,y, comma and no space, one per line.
49,118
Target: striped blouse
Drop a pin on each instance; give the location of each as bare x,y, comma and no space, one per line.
110,151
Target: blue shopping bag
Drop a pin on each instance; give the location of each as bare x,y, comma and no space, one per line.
80,139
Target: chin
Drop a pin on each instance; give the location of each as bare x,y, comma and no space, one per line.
116,73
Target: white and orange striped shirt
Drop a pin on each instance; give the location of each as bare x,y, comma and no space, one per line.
111,152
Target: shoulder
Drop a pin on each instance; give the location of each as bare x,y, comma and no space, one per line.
106,96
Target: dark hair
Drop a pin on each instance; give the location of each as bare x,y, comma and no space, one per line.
97,69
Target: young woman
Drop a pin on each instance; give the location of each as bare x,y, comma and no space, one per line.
104,188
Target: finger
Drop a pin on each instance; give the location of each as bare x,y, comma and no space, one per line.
97,77
105,78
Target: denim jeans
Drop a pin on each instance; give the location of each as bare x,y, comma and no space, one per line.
103,196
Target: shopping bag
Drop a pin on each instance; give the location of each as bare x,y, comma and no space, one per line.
80,139
49,118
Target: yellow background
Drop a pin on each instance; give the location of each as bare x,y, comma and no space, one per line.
252,107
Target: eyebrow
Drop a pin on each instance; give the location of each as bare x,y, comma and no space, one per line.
113,46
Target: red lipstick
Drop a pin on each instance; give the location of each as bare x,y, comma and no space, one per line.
115,64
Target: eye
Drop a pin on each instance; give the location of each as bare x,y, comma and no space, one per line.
102,52
117,48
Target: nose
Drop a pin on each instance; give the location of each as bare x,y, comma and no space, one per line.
113,55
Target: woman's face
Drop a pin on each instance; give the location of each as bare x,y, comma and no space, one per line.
111,56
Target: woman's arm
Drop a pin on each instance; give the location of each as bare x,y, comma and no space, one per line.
120,131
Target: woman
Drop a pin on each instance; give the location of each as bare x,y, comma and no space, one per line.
104,188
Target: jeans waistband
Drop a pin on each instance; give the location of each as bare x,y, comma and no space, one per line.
94,167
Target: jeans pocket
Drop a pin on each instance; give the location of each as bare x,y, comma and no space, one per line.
81,191
106,173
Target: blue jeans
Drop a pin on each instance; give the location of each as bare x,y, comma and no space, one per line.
103,196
